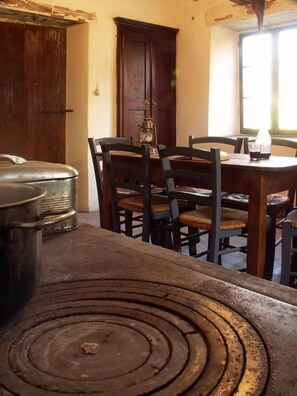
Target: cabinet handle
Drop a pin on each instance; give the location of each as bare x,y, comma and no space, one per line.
154,103
146,102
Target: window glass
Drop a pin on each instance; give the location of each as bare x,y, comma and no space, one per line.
287,79
269,80
256,80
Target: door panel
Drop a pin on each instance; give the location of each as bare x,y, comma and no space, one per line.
46,95
32,91
12,104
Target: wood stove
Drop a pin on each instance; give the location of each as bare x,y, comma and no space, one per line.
115,316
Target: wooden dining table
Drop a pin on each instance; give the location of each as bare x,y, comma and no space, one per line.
257,179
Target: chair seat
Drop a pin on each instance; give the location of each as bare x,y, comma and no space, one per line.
231,219
159,204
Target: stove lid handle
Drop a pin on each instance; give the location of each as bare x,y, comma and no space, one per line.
13,159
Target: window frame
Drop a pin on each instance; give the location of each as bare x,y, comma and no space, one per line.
274,130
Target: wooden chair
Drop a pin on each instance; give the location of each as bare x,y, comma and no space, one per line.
122,174
206,142
230,144
289,250
234,144
94,145
278,205
209,216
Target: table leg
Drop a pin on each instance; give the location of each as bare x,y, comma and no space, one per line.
256,234
107,215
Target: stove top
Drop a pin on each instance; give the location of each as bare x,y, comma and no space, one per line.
114,316
143,338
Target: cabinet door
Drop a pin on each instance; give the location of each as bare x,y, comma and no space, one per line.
134,83
146,78
163,83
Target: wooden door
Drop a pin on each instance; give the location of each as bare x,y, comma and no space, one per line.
146,78
34,94
12,90
46,92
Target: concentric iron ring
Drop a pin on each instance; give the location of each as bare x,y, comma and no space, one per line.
147,338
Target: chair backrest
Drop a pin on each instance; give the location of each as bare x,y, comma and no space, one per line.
288,147
129,175
276,144
208,177
94,145
234,144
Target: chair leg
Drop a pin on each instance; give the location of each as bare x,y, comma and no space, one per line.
167,235
147,226
157,233
286,253
270,246
161,233
193,241
213,246
128,223
176,235
100,217
116,224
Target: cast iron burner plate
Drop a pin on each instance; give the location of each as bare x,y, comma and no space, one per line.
149,338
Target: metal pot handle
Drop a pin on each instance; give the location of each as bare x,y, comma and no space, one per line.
13,159
59,215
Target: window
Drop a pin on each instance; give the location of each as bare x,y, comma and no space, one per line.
268,63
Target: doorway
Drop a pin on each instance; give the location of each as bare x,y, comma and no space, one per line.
33,91
76,22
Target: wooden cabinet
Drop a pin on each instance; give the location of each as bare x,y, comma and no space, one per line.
146,78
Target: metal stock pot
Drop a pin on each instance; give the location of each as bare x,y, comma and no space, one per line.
21,224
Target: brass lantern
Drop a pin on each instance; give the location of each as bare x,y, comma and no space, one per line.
147,133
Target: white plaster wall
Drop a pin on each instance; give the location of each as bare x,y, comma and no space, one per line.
193,57
224,109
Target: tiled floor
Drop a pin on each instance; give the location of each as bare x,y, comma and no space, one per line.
234,261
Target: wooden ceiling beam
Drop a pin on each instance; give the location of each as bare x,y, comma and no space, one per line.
30,12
